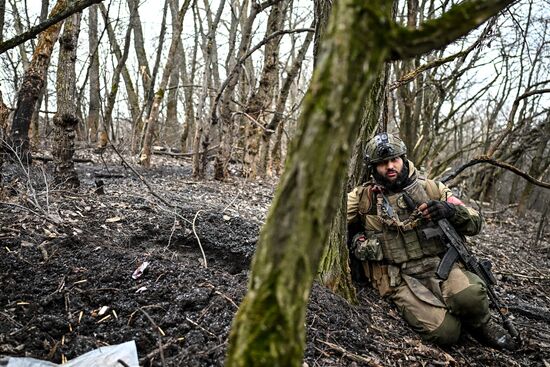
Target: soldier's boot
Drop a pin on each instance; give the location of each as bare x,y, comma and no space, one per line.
494,335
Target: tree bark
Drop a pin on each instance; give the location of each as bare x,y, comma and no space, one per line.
202,127
65,119
537,165
2,15
269,326
171,124
33,82
139,45
4,115
95,99
259,101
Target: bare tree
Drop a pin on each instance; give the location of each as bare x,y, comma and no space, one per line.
94,106
2,19
202,128
65,119
33,82
187,81
171,123
145,158
139,45
260,100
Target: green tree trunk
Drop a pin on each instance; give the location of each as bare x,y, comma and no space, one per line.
268,329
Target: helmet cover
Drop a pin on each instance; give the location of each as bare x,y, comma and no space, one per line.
384,146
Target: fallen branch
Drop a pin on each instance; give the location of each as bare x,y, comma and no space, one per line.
370,361
183,155
494,212
494,162
108,175
532,312
200,327
50,159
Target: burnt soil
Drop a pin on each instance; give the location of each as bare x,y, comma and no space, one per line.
66,255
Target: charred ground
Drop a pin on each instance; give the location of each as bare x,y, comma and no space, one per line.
65,255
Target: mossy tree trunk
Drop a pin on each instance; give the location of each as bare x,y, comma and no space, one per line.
334,269
268,329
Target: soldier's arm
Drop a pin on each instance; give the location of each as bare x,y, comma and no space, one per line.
355,225
353,206
466,220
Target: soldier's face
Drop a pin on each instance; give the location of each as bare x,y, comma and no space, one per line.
390,169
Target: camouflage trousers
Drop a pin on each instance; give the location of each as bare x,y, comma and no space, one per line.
438,309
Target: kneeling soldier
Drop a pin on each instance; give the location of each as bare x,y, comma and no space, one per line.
401,263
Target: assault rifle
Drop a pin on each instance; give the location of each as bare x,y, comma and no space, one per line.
456,250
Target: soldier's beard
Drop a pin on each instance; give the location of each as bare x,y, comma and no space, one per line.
399,183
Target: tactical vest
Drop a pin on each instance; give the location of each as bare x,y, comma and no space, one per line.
399,243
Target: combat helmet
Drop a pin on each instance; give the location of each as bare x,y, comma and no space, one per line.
384,146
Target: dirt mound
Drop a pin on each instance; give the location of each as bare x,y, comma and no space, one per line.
68,259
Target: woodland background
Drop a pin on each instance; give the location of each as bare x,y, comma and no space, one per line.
221,87
224,80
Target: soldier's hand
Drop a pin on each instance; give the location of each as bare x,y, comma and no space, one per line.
435,210
358,239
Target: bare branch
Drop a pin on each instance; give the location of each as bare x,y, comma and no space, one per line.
510,122
32,32
494,162
436,33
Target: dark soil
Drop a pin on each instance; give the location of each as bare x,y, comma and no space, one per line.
66,255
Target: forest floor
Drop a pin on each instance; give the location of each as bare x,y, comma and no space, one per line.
67,260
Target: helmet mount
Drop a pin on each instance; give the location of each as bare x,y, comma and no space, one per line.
384,146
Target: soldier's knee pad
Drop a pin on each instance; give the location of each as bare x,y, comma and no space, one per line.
447,333
472,301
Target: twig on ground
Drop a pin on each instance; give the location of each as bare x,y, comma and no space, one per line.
200,327
501,210
169,343
198,239
518,275
172,233
370,361
221,294
161,333
46,217
232,201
